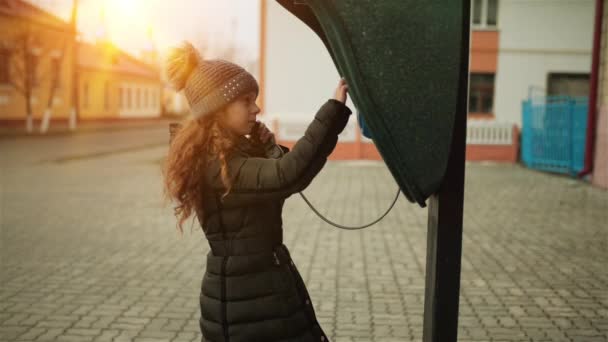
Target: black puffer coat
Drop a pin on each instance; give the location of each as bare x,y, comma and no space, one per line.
251,289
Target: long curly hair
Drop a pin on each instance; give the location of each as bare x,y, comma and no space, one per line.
196,142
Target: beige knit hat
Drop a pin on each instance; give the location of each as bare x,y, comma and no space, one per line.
208,85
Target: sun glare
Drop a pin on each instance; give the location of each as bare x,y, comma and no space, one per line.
124,8
127,20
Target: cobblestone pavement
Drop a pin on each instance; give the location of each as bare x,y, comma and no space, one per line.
89,253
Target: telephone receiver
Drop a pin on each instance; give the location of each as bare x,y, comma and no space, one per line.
255,132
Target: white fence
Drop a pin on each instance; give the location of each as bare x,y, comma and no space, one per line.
489,133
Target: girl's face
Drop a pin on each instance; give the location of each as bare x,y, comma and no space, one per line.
239,116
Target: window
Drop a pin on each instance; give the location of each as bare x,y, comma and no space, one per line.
128,97
5,59
137,98
85,95
481,93
106,102
569,84
484,13
146,98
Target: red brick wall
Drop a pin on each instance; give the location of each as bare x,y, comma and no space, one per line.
484,51
498,153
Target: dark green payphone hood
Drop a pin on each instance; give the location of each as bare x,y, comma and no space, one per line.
401,60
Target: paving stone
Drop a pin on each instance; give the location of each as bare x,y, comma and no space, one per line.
101,260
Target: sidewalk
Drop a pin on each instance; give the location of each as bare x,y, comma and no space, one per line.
17,129
90,252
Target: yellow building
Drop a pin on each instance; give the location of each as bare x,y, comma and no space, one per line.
24,27
112,84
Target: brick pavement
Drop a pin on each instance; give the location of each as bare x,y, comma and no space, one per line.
89,254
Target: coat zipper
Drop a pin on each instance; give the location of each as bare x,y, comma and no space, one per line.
276,259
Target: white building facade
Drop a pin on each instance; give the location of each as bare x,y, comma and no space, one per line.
544,48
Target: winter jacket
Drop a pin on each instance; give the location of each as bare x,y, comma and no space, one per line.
251,289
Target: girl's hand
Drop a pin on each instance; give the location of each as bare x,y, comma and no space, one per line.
266,136
341,91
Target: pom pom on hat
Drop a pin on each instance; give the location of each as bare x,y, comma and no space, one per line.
181,62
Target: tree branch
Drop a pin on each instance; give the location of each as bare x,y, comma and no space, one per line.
17,86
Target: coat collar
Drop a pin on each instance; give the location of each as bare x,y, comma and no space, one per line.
246,146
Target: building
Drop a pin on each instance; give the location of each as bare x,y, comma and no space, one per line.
45,38
174,102
517,48
112,84
544,48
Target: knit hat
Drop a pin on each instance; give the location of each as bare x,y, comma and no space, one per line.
208,85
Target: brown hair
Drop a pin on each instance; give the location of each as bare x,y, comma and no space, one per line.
195,143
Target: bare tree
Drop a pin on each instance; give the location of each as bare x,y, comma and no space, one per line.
56,75
26,51
75,111
60,58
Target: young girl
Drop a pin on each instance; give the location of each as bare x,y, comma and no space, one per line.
236,185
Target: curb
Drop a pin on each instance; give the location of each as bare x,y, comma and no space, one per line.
8,133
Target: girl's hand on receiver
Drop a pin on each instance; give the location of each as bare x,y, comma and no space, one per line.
266,136
341,91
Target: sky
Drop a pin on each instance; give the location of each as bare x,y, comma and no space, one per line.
128,23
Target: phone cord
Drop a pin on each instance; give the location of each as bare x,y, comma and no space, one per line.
346,227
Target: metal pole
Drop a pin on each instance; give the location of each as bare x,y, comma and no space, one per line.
444,237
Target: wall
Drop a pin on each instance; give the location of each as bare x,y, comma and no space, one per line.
299,73
538,37
599,176
96,107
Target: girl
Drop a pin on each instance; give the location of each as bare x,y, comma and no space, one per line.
236,185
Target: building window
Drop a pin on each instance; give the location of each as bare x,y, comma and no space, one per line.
120,100
85,95
137,103
5,59
106,102
481,93
484,13
146,104
568,84
128,97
